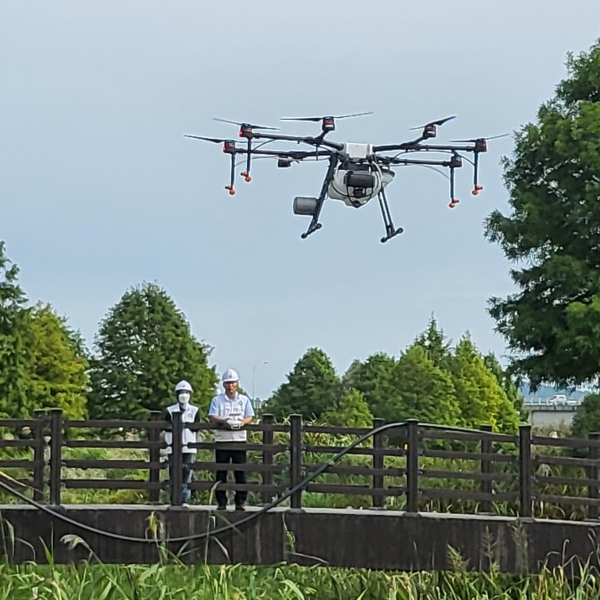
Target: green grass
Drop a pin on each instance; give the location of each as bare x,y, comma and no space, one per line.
238,582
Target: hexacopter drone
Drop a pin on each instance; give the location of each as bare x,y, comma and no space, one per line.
357,172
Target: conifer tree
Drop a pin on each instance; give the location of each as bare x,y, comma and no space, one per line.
374,379
144,346
480,397
13,347
312,388
425,391
351,411
552,235
56,364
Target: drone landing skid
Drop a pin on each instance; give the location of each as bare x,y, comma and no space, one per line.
313,206
390,230
311,229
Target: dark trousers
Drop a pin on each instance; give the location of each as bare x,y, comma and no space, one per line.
237,457
187,458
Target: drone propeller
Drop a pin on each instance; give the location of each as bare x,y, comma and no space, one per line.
248,125
437,123
208,139
327,122
317,119
493,137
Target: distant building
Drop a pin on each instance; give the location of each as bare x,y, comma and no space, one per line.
555,411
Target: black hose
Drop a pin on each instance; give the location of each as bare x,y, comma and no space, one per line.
125,538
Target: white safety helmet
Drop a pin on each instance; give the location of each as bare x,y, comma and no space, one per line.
230,375
183,386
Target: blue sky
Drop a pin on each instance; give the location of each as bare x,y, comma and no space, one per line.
100,191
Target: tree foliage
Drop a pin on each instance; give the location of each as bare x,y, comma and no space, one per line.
507,381
312,388
13,348
480,397
425,391
56,364
435,344
144,347
351,411
587,417
42,361
553,234
374,379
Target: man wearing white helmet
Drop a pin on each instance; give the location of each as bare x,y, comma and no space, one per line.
231,411
189,414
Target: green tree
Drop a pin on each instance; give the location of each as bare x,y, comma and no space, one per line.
480,397
507,382
435,344
311,389
587,417
552,234
351,411
56,364
144,346
374,379
13,347
425,391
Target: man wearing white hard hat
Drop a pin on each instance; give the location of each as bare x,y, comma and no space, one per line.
189,414
231,411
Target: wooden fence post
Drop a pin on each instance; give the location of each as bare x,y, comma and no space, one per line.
486,469
378,462
296,459
592,473
267,457
56,442
412,466
525,471
38,455
154,457
176,460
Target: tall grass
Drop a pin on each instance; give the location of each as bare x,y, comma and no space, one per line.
237,582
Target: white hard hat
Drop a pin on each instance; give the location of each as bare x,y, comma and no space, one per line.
230,375
183,386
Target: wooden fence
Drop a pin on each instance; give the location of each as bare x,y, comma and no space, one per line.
412,467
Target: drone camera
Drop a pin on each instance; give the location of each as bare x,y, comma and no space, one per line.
360,180
360,183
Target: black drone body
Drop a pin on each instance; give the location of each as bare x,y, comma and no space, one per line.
356,173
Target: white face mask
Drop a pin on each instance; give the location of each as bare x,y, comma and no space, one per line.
184,398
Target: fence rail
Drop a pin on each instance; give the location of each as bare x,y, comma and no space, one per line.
413,467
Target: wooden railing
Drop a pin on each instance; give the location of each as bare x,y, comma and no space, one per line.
413,467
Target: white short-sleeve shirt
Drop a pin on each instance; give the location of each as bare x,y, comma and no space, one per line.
224,407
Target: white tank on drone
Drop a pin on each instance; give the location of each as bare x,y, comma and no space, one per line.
356,180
